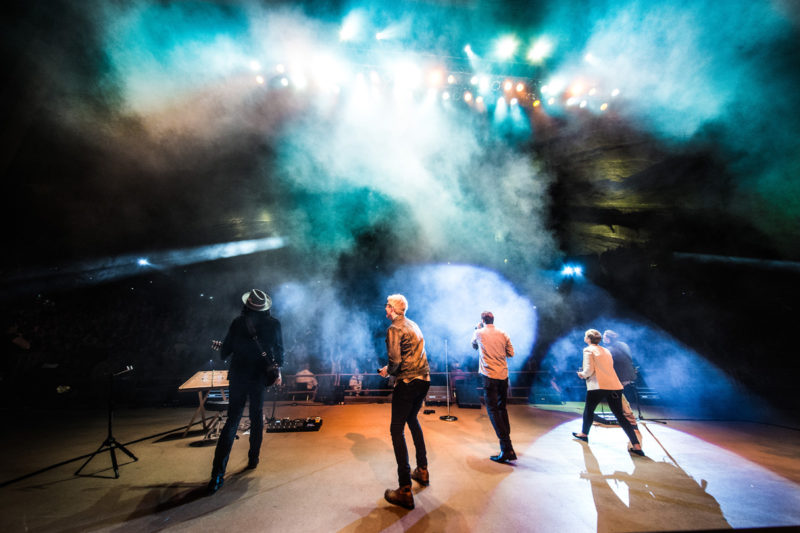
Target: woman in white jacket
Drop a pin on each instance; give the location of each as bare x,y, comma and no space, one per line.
602,384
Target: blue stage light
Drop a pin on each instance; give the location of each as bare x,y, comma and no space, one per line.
572,271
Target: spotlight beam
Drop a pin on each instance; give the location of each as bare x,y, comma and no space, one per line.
124,266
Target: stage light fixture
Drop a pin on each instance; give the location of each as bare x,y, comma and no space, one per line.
255,66
507,85
604,106
350,28
615,92
540,50
260,80
436,77
467,96
555,86
520,87
142,261
572,271
506,47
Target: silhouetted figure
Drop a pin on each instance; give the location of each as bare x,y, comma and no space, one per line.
494,347
408,363
250,335
602,384
623,366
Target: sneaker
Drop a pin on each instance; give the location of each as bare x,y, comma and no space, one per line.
401,496
421,476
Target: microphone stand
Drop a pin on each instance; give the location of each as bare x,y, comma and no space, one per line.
448,417
111,443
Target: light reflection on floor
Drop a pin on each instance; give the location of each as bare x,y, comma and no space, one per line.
683,483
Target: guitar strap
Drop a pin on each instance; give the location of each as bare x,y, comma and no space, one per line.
252,330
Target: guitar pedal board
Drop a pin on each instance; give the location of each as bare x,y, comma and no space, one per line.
286,425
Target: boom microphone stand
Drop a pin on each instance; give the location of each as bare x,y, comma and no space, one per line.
111,443
448,417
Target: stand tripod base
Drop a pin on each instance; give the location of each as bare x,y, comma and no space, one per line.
448,418
110,444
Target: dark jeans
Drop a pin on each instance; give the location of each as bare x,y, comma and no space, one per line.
632,394
240,393
495,393
614,400
407,400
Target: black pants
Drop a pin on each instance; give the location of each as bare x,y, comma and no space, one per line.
495,393
407,400
240,393
614,400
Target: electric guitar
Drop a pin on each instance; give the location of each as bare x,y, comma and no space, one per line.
273,373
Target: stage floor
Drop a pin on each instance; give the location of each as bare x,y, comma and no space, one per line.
697,475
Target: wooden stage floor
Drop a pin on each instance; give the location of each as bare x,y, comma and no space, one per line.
696,476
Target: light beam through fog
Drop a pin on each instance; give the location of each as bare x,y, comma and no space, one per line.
120,267
447,300
323,326
686,383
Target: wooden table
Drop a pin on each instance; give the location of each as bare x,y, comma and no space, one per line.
204,382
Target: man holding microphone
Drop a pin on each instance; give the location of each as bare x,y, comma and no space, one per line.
494,347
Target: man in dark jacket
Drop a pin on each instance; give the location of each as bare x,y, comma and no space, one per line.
408,363
252,336
626,372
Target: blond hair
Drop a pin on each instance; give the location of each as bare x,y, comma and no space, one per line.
398,303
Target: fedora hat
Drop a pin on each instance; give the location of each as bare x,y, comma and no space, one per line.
257,300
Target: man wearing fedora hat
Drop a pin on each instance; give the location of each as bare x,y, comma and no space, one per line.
251,335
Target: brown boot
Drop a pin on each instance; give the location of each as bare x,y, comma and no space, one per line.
401,496
421,476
